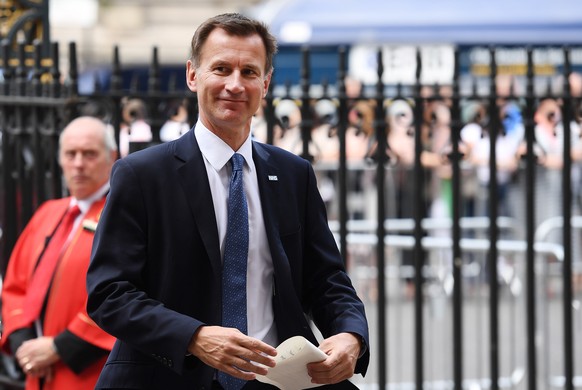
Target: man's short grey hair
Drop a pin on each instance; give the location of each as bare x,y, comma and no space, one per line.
108,134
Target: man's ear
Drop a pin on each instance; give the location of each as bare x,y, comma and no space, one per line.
266,83
191,76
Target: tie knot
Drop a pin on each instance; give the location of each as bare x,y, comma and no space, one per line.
74,211
237,162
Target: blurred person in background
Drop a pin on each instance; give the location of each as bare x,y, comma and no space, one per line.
400,177
360,140
360,129
287,131
45,323
436,139
507,144
474,116
549,147
134,127
177,123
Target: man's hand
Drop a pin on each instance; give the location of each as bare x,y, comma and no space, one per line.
37,356
342,352
232,352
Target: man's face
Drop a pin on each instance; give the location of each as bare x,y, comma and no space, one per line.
230,81
85,161
548,114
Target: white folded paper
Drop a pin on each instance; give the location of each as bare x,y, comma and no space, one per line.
290,372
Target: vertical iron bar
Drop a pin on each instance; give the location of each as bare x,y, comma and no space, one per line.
341,129
35,81
46,38
156,117
73,87
21,71
269,113
55,84
417,213
10,222
567,232
457,261
23,139
306,115
381,157
7,70
530,224
154,82
53,114
494,124
116,94
35,115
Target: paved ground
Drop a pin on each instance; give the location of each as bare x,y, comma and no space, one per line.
438,333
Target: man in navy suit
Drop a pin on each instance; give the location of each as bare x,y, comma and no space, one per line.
155,279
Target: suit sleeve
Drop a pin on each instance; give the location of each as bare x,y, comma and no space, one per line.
19,336
119,299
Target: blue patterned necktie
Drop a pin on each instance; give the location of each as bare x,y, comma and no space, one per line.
234,271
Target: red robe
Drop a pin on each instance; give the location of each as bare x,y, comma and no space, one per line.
67,297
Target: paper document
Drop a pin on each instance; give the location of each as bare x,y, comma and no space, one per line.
290,373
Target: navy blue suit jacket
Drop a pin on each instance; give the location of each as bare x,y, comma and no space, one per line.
155,272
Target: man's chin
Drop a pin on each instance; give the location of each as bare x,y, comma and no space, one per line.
80,192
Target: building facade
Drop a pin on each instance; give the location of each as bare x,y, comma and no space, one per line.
135,26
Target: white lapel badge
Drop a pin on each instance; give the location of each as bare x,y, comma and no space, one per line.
90,225
273,178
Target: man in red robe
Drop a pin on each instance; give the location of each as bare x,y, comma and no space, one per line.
61,347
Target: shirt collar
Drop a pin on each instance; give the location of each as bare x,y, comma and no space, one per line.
85,204
217,152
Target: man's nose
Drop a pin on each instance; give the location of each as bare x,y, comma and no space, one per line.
78,159
234,83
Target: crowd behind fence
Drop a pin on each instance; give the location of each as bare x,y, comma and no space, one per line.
404,169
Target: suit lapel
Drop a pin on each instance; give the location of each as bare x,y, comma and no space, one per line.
285,299
267,177
194,180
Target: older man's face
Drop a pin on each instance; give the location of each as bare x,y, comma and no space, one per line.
85,160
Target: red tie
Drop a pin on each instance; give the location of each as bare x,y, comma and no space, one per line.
42,276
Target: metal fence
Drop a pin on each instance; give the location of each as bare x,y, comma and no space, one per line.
472,285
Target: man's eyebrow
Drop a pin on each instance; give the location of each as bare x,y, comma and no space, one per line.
252,66
219,63
245,66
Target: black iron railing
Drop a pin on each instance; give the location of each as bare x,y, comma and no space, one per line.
36,104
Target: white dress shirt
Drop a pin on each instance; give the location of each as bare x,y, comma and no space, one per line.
85,204
217,154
